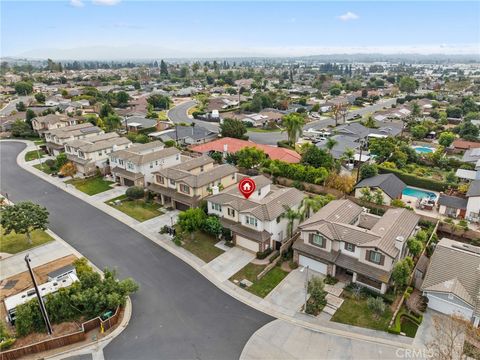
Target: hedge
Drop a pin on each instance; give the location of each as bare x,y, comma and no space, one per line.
416,181
147,131
396,328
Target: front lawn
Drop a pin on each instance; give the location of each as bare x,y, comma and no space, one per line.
33,155
356,312
261,130
266,284
44,168
14,243
91,186
137,209
202,245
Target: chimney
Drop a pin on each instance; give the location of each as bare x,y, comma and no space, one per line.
399,241
215,190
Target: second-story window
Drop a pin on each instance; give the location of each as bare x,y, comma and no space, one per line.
151,165
318,240
216,207
160,179
185,189
130,166
375,257
172,182
349,247
231,212
120,162
251,220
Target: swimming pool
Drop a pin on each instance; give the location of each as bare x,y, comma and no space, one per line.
418,193
423,149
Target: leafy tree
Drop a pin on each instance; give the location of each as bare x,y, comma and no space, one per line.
416,109
330,144
293,124
122,98
317,157
23,88
317,301
454,112
408,84
163,69
69,169
61,160
105,110
370,123
343,183
21,129
141,138
311,205
368,171
401,272
212,226
23,218
112,122
250,157
135,192
29,115
20,106
40,97
399,158
367,195
217,156
468,131
233,128
414,246
446,138
191,220
382,147
378,197
419,131
158,101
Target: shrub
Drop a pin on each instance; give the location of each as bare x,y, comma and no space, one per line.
414,180
135,192
330,280
376,304
212,226
263,254
52,164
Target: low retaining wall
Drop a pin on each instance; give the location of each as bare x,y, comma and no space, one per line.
284,248
60,341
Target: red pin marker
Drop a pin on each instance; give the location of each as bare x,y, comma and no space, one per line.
247,187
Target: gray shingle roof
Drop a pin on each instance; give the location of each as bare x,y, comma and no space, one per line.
389,183
452,201
474,189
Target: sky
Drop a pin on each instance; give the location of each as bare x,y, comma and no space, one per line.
108,29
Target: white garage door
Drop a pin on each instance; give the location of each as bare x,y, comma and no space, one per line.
247,244
313,264
447,307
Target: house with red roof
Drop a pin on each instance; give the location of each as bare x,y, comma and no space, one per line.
231,145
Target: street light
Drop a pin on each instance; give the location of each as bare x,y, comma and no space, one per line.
306,287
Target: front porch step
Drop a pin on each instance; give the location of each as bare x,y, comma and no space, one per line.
329,310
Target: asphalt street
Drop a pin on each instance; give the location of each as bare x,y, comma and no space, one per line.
179,114
11,106
177,313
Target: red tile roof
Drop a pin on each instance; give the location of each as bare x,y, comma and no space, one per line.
234,145
465,145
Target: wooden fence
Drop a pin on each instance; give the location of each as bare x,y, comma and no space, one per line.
283,249
64,340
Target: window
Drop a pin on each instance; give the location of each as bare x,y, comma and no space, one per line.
151,165
177,157
130,166
349,247
318,240
375,257
201,168
185,189
231,212
120,162
251,220
217,207
172,182
99,153
279,219
233,176
68,149
160,179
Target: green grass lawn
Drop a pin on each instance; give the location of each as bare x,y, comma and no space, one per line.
356,312
202,245
14,243
45,168
137,209
260,130
266,284
91,186
33,155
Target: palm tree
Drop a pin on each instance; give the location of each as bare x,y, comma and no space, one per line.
348,154
311,205
291,215
330,144
293,124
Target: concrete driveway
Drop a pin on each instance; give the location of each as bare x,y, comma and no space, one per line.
290,293
282,340
230,262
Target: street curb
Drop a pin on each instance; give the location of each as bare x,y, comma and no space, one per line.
252,301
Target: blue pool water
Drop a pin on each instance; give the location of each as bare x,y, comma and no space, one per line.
423,149
420,194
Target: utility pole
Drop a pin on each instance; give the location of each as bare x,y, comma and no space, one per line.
43,310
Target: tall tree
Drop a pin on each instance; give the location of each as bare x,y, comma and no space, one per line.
291,215
250,157
163,69
233,128
23,218
293,124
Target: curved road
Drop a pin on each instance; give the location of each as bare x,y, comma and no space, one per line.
179,114
177,313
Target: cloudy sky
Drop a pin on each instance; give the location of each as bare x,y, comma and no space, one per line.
86,29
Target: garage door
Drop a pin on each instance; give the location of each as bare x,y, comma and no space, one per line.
246,243
313,264
447,307
180,206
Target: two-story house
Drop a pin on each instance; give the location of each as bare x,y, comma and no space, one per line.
41,124
91,154
256,223
182,186
135,166
56,138
341,239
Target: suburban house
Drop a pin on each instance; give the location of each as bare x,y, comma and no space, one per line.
471,155
390,186
56,138
452,281
182,186
343,240
91,154
134,166
256,223
137,123
230,145
473,203
452,206
185,135
41,124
